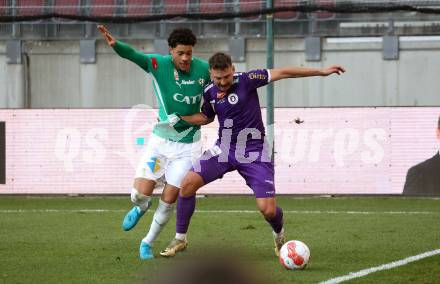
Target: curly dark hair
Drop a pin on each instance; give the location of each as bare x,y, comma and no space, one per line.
181,36
220,61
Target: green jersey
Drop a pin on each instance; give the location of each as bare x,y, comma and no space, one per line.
176,91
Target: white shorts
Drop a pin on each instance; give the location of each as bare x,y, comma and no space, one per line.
167,158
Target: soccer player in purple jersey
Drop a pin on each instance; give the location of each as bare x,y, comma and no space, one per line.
240,146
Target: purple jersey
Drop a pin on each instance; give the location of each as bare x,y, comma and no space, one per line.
239,106
239,116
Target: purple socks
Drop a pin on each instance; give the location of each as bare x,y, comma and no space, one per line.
185,209
277,222
187,205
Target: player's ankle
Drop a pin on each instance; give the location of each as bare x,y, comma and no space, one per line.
180,237
280,234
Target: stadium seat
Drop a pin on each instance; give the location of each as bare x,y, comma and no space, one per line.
285,16
67,7
102,7
250,5
29,7
139,7
3,9
214,6
175,6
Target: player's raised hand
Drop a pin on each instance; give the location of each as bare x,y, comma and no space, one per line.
108,37
333,69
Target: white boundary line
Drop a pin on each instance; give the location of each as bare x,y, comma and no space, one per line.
364,272
327,212
226,211
61,210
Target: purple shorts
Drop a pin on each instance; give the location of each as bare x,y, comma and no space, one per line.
257,172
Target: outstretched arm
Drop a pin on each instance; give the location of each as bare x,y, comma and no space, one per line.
124,50
197,119
108,37
295,72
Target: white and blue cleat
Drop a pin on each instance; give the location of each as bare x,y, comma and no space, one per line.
145,251
132,218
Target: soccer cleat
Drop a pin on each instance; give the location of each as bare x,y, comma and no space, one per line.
174,247
132,217
145,251
279,241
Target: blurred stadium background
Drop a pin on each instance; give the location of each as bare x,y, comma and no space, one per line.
386,49
55,67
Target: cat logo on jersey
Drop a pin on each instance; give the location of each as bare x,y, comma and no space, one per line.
154,164
233,99
187,99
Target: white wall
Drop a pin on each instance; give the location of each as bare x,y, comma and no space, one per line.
11,82
58,79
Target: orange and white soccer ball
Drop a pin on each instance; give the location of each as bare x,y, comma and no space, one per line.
294,255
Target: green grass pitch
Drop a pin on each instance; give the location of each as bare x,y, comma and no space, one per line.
68,240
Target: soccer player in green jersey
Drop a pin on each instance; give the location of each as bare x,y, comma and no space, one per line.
178,81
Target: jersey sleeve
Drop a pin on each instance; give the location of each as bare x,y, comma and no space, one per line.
128,52
207,108
257,78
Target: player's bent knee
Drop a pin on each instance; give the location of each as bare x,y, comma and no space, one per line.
190,184
144,186
268,212
169,194
188,190
267,207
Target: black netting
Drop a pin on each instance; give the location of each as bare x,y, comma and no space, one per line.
131,11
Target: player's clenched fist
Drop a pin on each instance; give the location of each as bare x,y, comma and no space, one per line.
108,37
333,69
